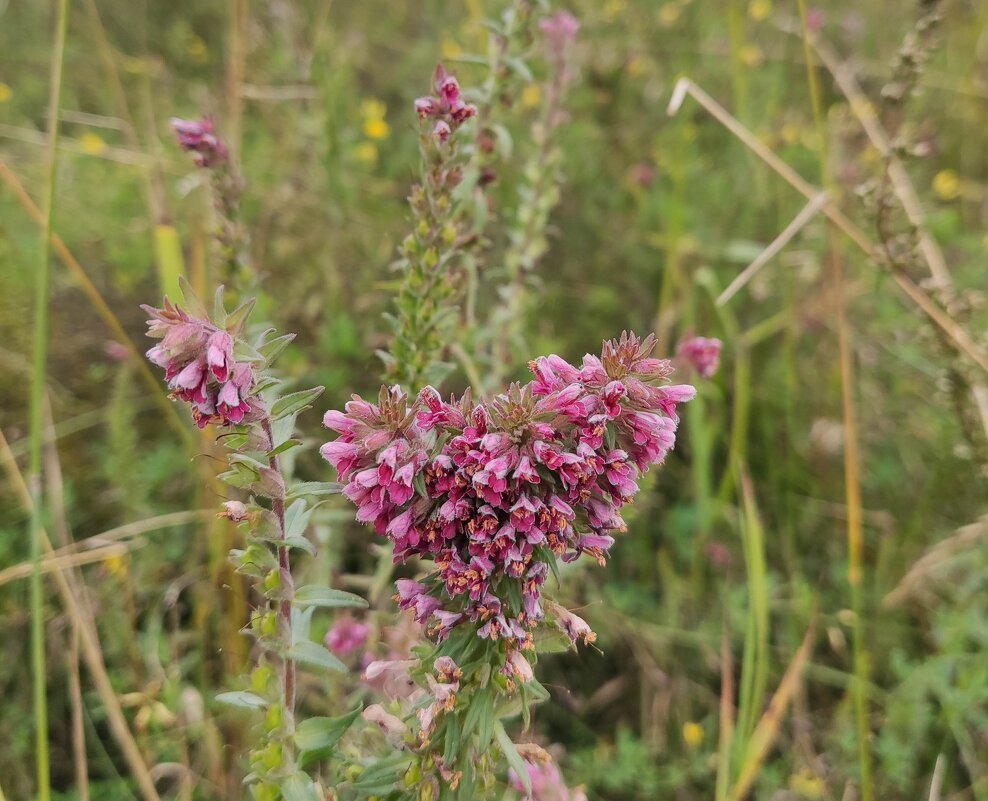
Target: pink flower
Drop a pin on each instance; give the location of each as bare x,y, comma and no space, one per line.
701,353
447,107
490,493
197,137
199,366
346,636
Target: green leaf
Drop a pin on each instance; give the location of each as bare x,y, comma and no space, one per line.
314,488
272,350
294,402
287,445
513,757
314,654
326,597
237,319
321,734
242,698
551,641
192,302
299,787
297,519
481,706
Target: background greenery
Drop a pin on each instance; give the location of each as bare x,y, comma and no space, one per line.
657,215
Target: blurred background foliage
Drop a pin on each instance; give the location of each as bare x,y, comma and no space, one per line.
657,216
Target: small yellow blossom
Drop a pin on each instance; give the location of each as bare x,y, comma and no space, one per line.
531,96
984,241
759,9
366,153
636,66
614,8
450,48
196,48
790,133
376,129
92,144
693,734
5,92
947,184
116,565
373,109
806,784
751,55
669,14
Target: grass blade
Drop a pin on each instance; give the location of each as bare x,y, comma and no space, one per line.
39,368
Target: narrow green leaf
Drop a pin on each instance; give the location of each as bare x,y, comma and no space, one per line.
272,350
314,654
287,445
314,488
237,319
192,302
314,595
321,734
242,698
295,402
297,519
513,757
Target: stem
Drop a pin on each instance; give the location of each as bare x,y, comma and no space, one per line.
288,593
852,461
37,423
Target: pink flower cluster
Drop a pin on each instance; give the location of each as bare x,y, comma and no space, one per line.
198,138
493,492
446,107
546,781
700,353
200,369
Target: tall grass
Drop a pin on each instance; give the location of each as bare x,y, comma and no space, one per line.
38,384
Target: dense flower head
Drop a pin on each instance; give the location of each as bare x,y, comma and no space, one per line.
199,138
199,365
494,492
700,353
446,108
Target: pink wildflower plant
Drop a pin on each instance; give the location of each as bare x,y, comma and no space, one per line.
546,782
199,138
493,493
701,354
446,109
347,636
200,367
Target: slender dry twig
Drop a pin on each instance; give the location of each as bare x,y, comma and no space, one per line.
961,339
919,575
81,617
102,308
78,724
807,213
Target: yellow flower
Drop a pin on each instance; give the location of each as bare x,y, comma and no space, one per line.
531,96
790,133
376,129
366,152
5,92
947,184
636,66
807,784
116,565
196,48
669,14
614,8
373,109
759,9
92,144
693,734
751,55
450,48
